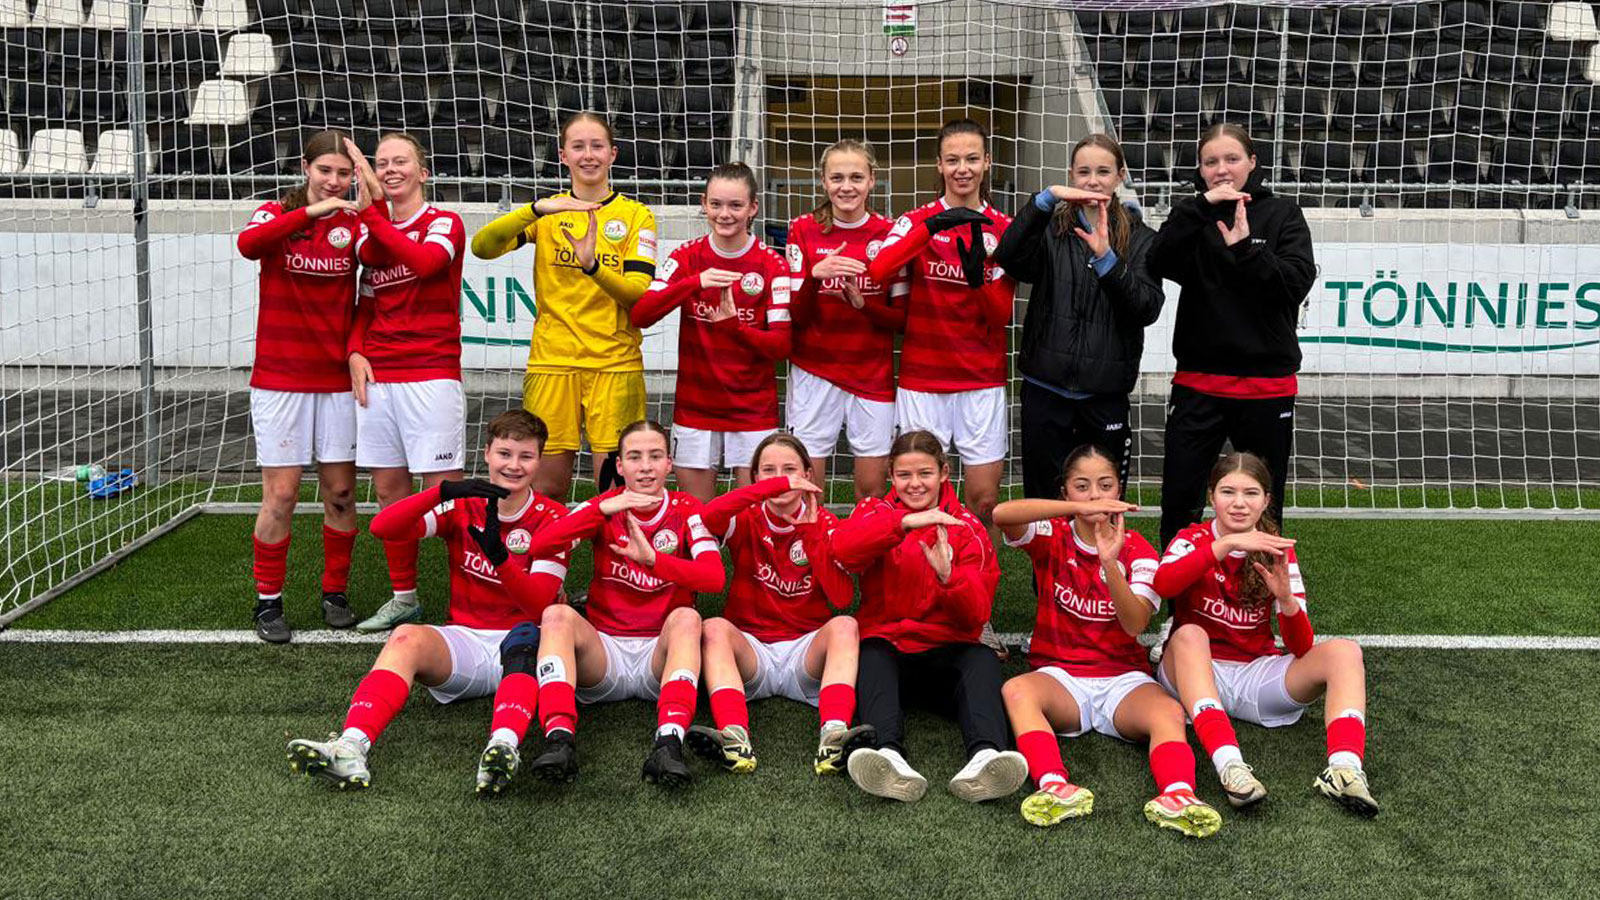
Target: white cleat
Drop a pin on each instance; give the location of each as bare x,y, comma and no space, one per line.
337,760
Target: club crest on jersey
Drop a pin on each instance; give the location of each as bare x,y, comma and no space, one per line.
872,249
990,242
518,540
339,237
615,230
752,284
665,542
796,258
797,554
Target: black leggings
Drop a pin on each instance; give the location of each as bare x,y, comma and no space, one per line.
960,680
1197,425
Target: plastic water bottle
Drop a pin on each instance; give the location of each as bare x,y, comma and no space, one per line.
83,472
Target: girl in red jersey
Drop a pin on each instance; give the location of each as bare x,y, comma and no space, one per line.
1090,673
779,635
405,348
494,585
299,405
641,639
734,293
1223,578
927,585
842,364
953,360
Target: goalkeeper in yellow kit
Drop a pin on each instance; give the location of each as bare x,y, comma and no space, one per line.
595,254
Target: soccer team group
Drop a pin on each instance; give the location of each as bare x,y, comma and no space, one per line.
358,363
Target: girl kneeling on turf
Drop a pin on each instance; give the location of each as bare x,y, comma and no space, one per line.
1095,598
779,636
1223,578
734,293
927,586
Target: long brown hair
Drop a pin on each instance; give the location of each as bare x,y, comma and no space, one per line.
966,126
823,213
1253,588
1121,221
320,144
780,439
918,441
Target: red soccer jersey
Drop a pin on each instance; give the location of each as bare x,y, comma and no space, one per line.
785,581
852,348
411,328
953,342
308,294
725,369
1206,592
1077,627
478,596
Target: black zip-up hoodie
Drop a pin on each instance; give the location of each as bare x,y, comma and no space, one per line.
1082,332
1239,305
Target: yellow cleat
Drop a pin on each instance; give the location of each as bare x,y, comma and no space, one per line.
729,747
1061,800
1183,812
836,744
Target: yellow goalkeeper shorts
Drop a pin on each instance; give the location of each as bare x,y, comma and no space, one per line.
601,404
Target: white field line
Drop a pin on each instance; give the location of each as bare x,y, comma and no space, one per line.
1013,639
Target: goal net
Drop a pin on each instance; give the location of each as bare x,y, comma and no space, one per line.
1444,153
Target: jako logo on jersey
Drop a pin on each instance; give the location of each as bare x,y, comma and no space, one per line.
519,540
1093,609
752,283
665,542
788,587
797,554
615,230
339,237
873,248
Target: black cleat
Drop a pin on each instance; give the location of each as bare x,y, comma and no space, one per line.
559,761
336,610
665,765
270,626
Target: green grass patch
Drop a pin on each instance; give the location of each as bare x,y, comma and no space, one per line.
140,771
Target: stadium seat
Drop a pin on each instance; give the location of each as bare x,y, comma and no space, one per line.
490,57
1184,158
250,55
24,50
1393,162
1330,63
1325,161
196,53
1144,22
223,15
524,106
1386,62
1518,161
279,103
169,15
14,14
642,111
1145,161
1573,22
58,14
544,60
708,61
1427,110
1468,17
56,151
1263,56
1407,18
1175,109
1480,109
658,18
1577,161
707,109
311,57
1583,113
10,151
366,54
552,15
81,55
653,61
1092,23
108,15
329,18
343,106
1358,21
220,102
444,17
185,151
1128,114
103,101
37,101
510,153
1242,105
714,16
1305,107
391,17
610,17
461,100
1356,109
1560,62
1159,63
1538,111
1456,157
1518,14
702,153
1216,63
402,103
113,154
252,154
447,153
166,100
1109,62
425,54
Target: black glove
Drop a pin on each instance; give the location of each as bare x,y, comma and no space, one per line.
972,257
488,537
472,487
952,217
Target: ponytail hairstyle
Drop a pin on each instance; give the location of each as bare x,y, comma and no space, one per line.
320,144
586,116
780,439
1221,130
918,441
1253,588
967,126
823,213
1121,221
1083,452
650,425
416,146
736,171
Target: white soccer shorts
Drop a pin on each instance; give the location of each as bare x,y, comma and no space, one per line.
416,425
1253,691
817,408
781,671
628,675
1097,698
693,448
294,428
474,662
974,421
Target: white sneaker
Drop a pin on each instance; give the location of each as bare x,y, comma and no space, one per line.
885,773
989,775
336,759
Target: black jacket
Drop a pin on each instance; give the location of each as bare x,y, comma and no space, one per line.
1240,305
1082,332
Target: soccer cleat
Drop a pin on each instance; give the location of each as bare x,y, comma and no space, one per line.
1241,785
836,745
665,765
1347,786
885,773
393,613
559,761
729,748
496,767
270,625
989,775
337,760
990,639
336,610
1183,812
1060,800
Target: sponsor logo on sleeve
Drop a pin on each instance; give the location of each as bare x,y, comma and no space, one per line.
796,257
647,244
262,215
440,225
667,269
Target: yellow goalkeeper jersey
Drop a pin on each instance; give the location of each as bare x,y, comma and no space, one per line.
583,320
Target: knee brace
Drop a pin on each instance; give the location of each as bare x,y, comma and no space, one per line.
520,649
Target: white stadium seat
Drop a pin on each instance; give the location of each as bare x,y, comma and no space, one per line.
1573,22
58,14
1591,68
220,102
57,150
115,154
109,15
224,15
10,152
169,15
250,55
13,14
